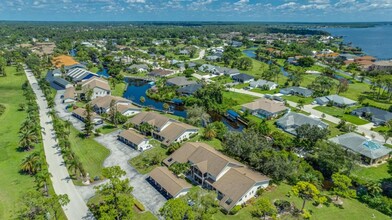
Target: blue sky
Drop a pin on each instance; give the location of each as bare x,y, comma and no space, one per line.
197,10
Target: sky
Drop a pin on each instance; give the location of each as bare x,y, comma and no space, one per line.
198,10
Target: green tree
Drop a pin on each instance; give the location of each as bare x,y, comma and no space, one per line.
88,123
27,139
116,199
308,135
374,188
142,99
210,132
300,104
341,186
263,208
32,163
307,192
166,106
306,61
204,203
176,209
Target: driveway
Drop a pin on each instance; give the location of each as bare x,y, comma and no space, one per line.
120,154
62,112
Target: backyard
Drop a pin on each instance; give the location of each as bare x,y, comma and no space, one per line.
340,113
149,159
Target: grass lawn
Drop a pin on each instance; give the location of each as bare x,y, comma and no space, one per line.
371,173
142,162
339,113
238,97
13,185
90,153
295,99
119,89
352,209
94,69
108,128
332,128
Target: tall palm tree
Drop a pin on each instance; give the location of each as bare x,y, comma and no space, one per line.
31,164
41,179
210,132
27,139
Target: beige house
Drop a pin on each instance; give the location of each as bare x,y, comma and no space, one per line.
124,106
233,181
100,87
168,183
69,95
81,114
135,140
165,129
265,108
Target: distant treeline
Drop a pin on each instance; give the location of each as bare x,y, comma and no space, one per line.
15,31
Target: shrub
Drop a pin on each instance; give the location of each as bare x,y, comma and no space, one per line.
235,210
282,205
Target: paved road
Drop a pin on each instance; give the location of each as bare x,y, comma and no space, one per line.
62,184
120,154
363,129
202,53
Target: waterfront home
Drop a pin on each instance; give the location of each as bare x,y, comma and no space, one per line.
81,114
335,100
161,73
265,108
99,86
124,106
263,84
164,129
167,183
134,140
375,115
292,121
234,182
138,68
189,90
179,81
371,151
383,65
242,78
298,91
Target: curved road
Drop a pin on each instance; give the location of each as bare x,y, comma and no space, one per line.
62,184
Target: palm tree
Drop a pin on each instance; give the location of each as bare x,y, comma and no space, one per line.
142,99
73,166
300,104
41,179
166,106
374,188
67,125
146,128
31,164
210,132
27,139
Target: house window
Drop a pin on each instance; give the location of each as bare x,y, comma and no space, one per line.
229,201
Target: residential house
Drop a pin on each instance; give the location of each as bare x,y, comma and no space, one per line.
161,73
383,65
124,106
226,71
99,86
263,84
292,121
164,129
179,81
184,52
336,100
371,151
212,58
167,183
69,95
242,78
233,181
265,108
236,43
81,114
376,115
298,91
134,139
207,68
189,89
138,68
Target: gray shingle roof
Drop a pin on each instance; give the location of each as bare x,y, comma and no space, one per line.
297,90
336,99
361,145
242,77
377,114
293,120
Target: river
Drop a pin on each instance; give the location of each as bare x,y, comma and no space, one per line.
375,41
137,88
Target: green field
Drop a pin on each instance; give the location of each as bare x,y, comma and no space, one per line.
141,162
91,153
119,89
371,173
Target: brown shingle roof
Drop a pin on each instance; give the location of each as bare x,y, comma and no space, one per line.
83,113
69,93
236,183
132,136
151,118
161,72
95,82
182,154
104,101
266,105
167,180
173,131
